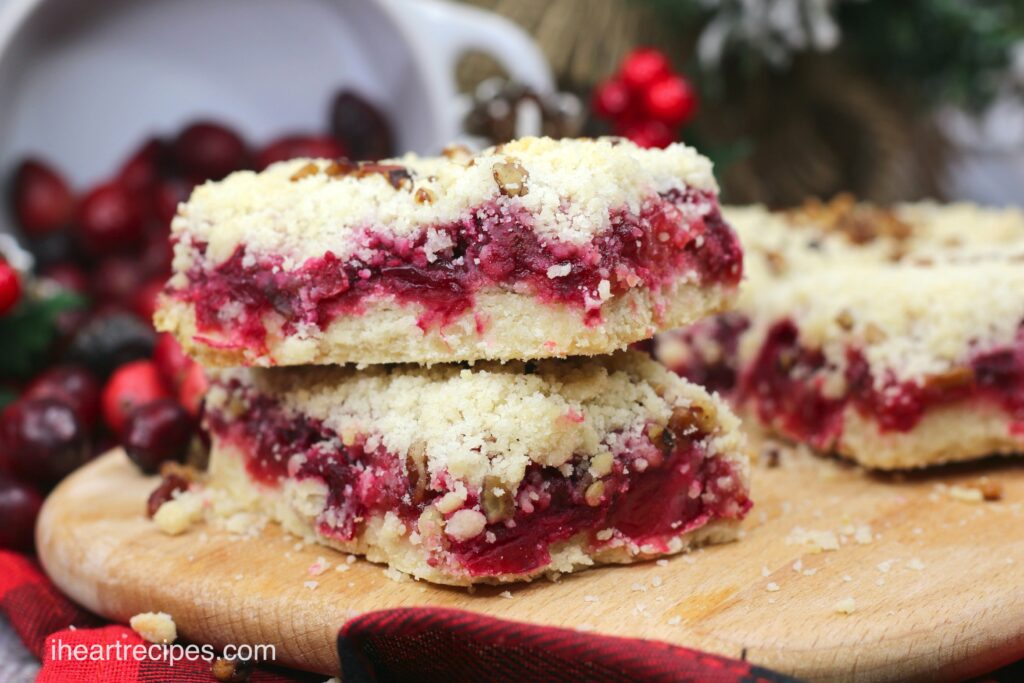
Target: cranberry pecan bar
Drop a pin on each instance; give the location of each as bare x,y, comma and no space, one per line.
495,473
896,340
538,248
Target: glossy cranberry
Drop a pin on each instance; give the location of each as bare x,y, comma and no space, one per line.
143,303
193,389
117,278
158,254
131,386
157,432
166,198
648,133
68,276
110,218
171,360
43,202
361,126
19,508
612,99
110,339
642,67
142,170
44,438
207,150
296,146
670,100
10,287
72,384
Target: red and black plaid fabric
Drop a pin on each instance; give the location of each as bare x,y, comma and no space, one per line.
394,645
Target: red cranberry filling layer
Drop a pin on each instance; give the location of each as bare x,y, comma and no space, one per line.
680,233
665,487
787,387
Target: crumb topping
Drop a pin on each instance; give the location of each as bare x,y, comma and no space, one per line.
303,208
495,419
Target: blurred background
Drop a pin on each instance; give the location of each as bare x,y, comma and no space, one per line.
798,98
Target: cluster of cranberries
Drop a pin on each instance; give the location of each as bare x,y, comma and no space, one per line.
646,101
112,378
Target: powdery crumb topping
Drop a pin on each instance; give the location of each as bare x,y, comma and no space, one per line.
571,188
156,627
910,322
178,514
494,419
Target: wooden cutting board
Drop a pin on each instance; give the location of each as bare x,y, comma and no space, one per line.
936,586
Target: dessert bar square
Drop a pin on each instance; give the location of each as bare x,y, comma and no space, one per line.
892,337
537,248
490,473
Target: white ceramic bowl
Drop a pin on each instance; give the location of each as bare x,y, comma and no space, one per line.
82,82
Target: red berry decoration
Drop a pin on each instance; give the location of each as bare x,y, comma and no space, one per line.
110,218
295,146
209,151
649,134
117,279
670,100
193,389
645,101
642,67
612,99
43,202
172,362
19,508
157,432
44,440
131,386
10,287
72,384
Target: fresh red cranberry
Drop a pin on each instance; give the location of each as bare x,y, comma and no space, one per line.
157,432
207,150
19,507
144,300
110,218
43,202
72,384
642,67
117,278
10,287
648,134
142,170
68,276
670,100
166,198
193,389
612,99
172,362
296,146
45,440
131,385
362,127
157,256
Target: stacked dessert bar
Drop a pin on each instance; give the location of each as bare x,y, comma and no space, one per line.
419,360
894,337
